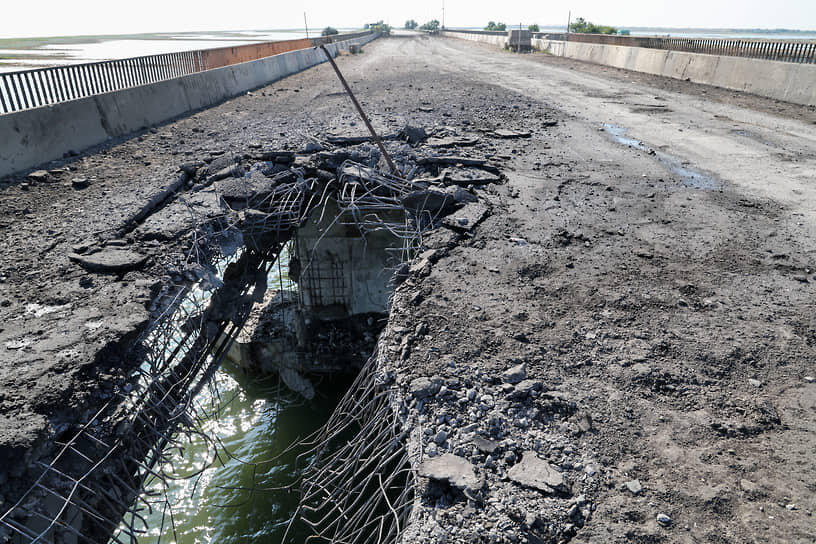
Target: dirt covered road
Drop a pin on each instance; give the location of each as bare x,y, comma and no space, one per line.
648,267
651,262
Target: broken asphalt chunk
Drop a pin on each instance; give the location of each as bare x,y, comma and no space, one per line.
508,134
451,141
466,218
110,260
454,470
425,387
413,135
469,176
537,474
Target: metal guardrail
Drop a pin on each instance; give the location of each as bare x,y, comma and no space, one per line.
27,89
796,51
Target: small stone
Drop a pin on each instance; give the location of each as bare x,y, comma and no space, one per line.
664,520
414,135
755,383
524,388
801,279
80,183
484,445
791,507
634,486
810,379
313,147
440,437
515,374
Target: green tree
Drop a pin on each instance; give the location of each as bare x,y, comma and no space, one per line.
582,26
380,26
534,28
410,24
498,27
328,31
430,25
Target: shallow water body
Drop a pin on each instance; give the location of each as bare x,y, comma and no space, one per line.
238,485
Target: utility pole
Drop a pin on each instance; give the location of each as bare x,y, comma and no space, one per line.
569,20
443,14
306,24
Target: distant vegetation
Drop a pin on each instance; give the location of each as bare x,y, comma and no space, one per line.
379,26
430,25
328,31
498,27
533,28
580,26
410,24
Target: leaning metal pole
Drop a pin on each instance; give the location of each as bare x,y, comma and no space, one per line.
361,112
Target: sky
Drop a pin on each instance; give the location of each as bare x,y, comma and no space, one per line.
78,17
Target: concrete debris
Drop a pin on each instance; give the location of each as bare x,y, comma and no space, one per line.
468,217
313,147
234,171
515,374
39,176
110,260
525,388
664,520
425,387
507,134
282,157
413,135
80,183
451,160
432,200
356,140
454,470
469,176
452,141
297,383
537,474
484,445
461,195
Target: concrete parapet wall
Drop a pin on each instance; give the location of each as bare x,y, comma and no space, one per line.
492,39
33,137
785,81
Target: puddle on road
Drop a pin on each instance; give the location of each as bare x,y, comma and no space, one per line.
689,177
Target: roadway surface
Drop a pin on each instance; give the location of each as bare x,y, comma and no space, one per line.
651,259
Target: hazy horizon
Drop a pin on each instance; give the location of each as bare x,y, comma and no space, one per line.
49,18
316,31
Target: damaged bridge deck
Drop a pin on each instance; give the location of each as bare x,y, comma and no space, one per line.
615,353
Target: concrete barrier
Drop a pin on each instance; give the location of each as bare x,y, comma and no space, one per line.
785,81
33,137
492,39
